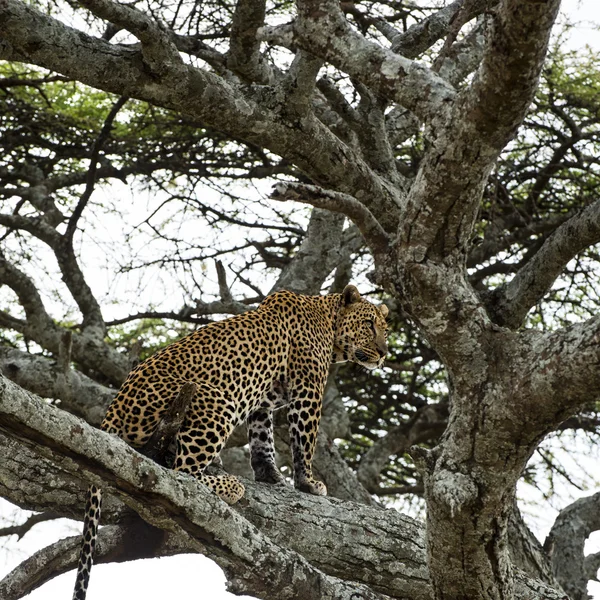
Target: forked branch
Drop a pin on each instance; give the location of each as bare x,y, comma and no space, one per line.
374,234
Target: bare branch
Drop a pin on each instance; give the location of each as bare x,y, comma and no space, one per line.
224,291
23,528
428,423
69,267
157,48
91,175
565,544
371,230
244,48
510,303
373,135
88,350
464,56
184,316
29,298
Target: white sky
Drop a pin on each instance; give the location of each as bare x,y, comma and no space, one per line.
194,576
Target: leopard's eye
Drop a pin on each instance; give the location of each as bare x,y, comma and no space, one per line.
371,324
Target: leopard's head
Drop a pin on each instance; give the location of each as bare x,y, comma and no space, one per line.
361,331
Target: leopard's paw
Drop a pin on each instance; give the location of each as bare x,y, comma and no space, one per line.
312,486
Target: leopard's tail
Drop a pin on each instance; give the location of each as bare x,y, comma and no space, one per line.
91,520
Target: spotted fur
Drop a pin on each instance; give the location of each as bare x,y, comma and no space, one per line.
244,368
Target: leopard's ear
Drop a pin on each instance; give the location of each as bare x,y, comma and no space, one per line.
350,295
384,310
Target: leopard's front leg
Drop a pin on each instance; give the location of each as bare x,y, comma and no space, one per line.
304,414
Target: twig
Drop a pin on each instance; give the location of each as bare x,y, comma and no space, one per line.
91,175
23,528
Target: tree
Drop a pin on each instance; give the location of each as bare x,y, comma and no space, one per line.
412,134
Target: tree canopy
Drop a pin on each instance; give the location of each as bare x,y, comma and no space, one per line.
165,164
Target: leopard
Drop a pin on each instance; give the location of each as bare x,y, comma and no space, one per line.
244,368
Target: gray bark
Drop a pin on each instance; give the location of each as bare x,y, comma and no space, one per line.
565,545
374,552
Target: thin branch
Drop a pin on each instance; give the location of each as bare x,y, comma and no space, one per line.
224,291
184,316
23,528
69,267
368,225
510,303
91,174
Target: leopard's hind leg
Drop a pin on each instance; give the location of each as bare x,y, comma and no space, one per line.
210,420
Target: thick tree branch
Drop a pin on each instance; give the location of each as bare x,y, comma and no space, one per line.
323,30
79,394
422,35
29,36
253,562
510,303
317,257
562,374
72,274
565,545
299,84
443,202
244,47
90,351
57,464
158,50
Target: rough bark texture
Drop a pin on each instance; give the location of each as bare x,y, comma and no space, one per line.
565,544
370,551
